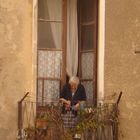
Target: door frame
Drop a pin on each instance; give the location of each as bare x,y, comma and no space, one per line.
100,53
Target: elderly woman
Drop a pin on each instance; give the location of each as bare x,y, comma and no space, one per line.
72,94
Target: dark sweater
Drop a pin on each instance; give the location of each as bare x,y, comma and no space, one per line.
79,95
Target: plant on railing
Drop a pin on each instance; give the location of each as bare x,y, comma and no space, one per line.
87,120
92,118
51,119
42,120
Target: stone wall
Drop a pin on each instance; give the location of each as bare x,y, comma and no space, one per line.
122,64
15,61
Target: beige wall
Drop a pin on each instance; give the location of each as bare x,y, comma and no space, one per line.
15,61
122,65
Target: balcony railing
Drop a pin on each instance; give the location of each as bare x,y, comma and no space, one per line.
45,122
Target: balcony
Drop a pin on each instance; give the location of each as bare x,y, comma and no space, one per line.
46,122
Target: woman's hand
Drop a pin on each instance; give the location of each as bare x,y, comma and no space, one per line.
62,100
65,101
76,107
68,102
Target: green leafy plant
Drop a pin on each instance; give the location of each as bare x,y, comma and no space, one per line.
92,118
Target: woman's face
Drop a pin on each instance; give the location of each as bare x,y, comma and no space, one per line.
73,86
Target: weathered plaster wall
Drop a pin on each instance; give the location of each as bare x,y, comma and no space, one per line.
122,65
15,61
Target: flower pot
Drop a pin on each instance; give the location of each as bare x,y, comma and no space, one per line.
41,124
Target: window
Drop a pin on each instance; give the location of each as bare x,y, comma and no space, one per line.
88,47
52,33
50,50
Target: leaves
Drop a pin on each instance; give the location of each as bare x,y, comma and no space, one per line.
91,118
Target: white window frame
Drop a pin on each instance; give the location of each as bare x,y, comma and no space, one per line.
101,51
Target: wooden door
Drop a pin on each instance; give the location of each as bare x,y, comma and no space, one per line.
87,11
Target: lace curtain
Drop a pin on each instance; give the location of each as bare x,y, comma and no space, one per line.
72,31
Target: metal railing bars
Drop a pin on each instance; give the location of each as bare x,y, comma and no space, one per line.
20,116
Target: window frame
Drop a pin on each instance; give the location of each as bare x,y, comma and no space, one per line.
62,78
94,50
101,49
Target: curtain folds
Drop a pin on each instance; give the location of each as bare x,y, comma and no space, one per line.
55,14
72,38
54,8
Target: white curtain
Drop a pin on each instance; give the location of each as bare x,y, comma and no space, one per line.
72,38
54,10
55,14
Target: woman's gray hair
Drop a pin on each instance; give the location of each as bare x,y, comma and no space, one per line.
74,79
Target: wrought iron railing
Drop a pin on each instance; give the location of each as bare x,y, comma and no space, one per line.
26,116
45,122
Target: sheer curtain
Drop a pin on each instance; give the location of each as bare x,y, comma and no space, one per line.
55,14
54,8
72,38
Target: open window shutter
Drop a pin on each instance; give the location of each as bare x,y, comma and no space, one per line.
88,47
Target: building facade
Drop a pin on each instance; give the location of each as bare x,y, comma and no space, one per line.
119,68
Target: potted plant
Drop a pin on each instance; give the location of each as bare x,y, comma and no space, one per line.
42,120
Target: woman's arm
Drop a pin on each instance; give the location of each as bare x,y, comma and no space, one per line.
65,101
